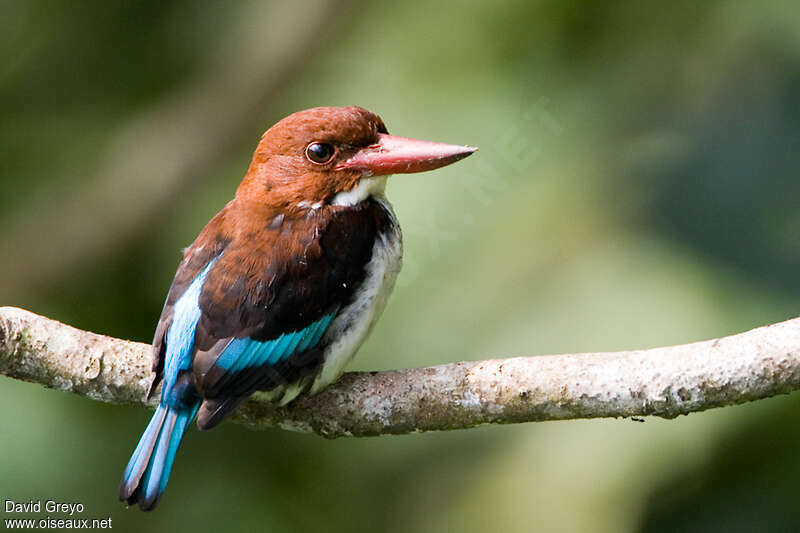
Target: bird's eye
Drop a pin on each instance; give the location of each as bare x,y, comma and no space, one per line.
320,153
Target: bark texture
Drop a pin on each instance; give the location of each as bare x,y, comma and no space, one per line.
664,382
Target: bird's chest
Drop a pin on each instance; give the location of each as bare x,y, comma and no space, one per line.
355,320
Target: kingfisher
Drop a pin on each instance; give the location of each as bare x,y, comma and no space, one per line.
283,285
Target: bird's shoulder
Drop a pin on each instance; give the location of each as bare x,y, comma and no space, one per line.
286,273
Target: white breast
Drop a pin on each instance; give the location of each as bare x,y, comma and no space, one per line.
354,322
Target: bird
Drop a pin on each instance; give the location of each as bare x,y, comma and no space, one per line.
284,284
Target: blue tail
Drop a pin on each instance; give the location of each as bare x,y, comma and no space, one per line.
148,470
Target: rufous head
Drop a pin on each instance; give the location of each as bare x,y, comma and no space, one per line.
335,155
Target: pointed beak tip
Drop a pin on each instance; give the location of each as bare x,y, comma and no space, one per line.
465,152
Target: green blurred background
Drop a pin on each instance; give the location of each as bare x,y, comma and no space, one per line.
636,186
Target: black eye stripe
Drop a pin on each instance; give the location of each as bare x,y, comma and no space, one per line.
320,153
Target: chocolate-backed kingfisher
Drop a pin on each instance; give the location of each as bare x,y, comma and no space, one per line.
283,285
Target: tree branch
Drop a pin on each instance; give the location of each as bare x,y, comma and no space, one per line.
663,382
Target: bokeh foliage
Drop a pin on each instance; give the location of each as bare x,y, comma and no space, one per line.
636,186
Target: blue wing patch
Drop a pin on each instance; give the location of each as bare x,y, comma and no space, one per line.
180,336
244,352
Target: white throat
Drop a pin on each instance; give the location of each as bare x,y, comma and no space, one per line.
374,186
